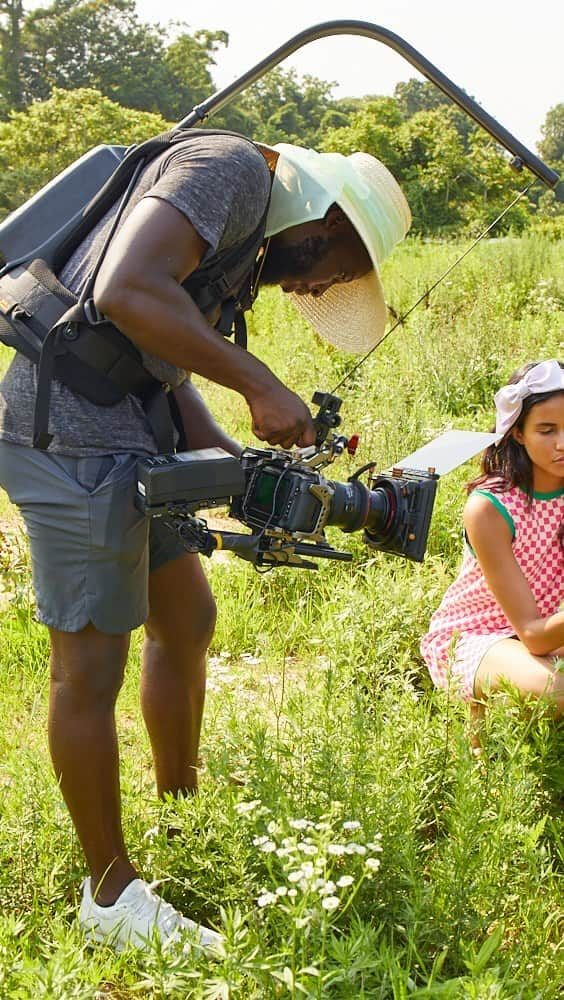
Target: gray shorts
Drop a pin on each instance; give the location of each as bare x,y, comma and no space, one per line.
91,549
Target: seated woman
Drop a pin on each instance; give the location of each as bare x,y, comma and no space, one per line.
500,621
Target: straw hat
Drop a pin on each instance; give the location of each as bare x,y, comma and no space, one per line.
351,316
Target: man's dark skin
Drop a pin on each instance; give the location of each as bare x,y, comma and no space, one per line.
139,289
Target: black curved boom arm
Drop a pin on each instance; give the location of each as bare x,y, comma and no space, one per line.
522,155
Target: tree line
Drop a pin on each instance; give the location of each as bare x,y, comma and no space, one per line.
76,73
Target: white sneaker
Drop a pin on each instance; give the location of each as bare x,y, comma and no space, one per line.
137,915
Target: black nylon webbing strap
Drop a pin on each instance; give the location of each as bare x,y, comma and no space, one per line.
125,371
159,416
41,437
115,186
20,337
117,182
240,328
155,403
225,323
209,285
46,299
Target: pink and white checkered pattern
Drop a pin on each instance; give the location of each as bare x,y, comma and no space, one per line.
469,620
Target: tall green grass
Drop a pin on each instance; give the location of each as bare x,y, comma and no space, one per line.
345,838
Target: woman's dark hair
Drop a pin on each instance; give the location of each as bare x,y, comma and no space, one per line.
507,461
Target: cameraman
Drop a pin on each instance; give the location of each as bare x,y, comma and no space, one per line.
325,223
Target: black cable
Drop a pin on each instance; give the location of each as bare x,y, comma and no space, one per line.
426,294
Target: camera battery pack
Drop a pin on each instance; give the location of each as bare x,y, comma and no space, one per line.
194,480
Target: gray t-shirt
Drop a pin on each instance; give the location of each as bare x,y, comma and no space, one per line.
221,184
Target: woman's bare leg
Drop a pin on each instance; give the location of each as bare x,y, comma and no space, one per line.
534,676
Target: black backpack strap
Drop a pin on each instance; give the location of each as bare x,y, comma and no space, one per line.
41,437
240,328
210,286
176,416
116,185
158,412
232,321
153,395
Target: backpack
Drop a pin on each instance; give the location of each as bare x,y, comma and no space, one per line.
66,337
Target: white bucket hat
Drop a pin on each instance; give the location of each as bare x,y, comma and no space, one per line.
351,316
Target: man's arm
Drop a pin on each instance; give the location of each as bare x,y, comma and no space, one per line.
200,428
139,288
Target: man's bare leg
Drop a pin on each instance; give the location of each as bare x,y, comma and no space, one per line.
178,632
86,675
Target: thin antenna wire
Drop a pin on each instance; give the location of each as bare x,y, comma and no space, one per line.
425,294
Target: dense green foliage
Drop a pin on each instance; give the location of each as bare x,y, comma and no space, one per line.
324,744
103,44
66,126
456,178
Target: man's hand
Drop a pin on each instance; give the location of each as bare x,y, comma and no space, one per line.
281,417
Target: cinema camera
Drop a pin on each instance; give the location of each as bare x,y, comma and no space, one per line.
284,499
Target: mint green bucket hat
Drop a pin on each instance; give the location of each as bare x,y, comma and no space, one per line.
351,316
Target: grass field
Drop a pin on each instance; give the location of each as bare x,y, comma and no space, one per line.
345,839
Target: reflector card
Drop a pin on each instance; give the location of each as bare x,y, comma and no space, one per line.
447,451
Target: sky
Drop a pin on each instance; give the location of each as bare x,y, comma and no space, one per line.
505,54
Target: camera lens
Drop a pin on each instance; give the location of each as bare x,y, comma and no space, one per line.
354,506
385,502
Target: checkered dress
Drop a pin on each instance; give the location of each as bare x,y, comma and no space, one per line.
469,620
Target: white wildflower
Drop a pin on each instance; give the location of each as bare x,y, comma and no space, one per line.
351,824
299,824
327,889
372,864
344,881
268,847
266,899
282,890
307,848
330,903
292,893
337,849
259,841
242,808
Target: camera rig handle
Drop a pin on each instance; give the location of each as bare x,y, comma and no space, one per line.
328,415
262,550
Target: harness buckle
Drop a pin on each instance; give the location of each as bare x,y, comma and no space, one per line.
94,317
220,286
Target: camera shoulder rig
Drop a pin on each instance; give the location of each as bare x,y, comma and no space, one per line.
286,501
